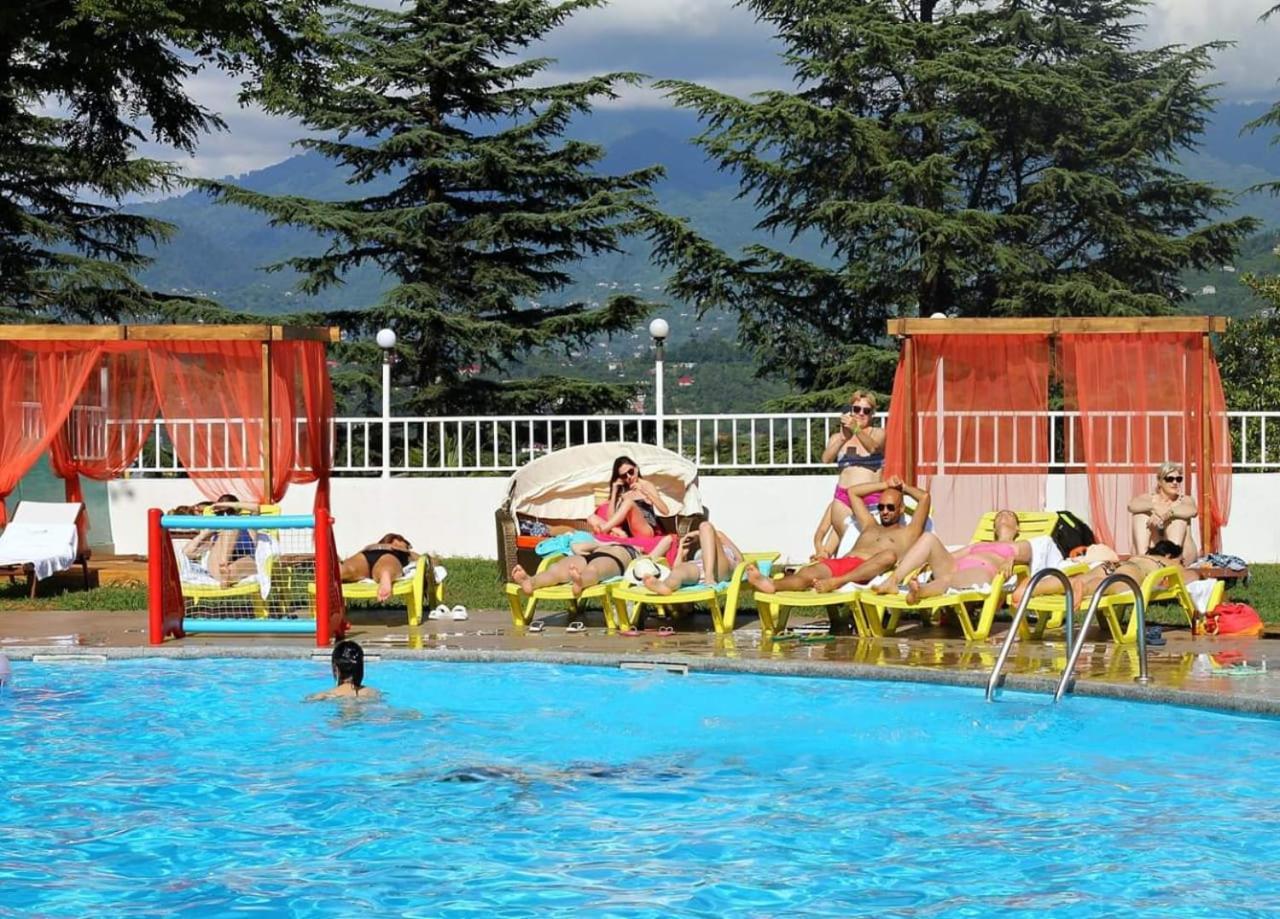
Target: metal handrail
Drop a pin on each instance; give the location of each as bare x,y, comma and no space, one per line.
1139,610
1021,614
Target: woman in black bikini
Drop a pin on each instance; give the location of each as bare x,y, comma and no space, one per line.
634,505
590,564
384,561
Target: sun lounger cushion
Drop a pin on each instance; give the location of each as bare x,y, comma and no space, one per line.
47,547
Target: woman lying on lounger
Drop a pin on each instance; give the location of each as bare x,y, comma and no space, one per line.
384,561
589,564
707,557
634,505
971,566
1163,554
228,554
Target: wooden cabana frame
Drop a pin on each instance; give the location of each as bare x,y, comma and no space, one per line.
905,329
251,332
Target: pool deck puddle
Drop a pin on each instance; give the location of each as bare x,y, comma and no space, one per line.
1234,674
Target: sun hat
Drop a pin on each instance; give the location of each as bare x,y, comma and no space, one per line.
643,568
1098,553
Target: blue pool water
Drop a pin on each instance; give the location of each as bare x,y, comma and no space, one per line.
207,788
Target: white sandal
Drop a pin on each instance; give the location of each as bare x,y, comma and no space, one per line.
459,613
440,612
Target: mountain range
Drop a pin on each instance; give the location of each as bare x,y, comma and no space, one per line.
221,251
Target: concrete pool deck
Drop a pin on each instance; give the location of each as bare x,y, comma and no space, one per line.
1221,673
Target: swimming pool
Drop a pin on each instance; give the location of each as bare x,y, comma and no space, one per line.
205,787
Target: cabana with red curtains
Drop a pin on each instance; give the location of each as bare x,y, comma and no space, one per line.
970,416
231,398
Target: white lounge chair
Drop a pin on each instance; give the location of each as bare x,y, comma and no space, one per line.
42,540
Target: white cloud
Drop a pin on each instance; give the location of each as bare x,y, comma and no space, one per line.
1250,69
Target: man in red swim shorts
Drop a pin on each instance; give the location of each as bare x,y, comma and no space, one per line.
881,540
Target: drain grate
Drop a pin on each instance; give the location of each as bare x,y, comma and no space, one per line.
665,666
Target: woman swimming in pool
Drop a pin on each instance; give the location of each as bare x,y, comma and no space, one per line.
348,671
590,564
634,505
384,561
857,449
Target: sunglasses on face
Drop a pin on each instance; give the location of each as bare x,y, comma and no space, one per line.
888,507
1173,479
861,410
627,472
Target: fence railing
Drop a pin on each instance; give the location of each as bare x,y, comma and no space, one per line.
748,442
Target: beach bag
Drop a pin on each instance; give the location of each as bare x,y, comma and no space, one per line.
1233,619
1071,533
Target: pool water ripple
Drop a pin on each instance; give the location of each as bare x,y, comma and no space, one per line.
207,787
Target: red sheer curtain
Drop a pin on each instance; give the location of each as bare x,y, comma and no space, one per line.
110,422
981,426
210,394
1138,397
302,404
39,384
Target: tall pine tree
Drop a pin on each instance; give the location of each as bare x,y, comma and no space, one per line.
1011,157
82,84
488,206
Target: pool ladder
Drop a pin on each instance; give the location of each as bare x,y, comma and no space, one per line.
1139,610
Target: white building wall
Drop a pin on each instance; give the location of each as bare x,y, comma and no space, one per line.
454,516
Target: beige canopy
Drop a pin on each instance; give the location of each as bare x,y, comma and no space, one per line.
564,485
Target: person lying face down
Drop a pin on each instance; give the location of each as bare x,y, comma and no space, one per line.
882,539
384,561
969,566
1163,554
589,564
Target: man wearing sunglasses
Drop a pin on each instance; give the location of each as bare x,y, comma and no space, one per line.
1165,513
882,539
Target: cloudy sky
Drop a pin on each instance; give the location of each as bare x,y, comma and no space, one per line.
718,43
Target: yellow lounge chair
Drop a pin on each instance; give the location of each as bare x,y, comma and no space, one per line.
722,599
880,612
775,609
522,607
1116,610
413,587
250,589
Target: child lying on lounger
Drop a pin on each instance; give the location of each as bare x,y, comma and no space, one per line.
590,563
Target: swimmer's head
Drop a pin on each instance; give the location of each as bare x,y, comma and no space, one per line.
348,663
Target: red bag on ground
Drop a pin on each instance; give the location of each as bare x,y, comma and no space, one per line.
1233,619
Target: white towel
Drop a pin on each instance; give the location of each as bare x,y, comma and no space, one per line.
47,547
1044,553
1200,592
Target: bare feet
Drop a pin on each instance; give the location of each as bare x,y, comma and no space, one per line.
384,587
522,580
756,578
888,586
913,590
827,585
575,581
657,586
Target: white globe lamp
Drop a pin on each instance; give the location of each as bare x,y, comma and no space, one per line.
386,339
659,329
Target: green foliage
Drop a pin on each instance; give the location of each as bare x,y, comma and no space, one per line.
77,78
1271,119
1249,351
488,206
1011,158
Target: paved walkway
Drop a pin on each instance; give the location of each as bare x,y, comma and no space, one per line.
1215,673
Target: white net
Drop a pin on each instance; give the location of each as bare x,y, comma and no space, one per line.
255,570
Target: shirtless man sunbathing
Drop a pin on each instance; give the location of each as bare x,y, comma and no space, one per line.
589,564
880,542
970,566
1162,555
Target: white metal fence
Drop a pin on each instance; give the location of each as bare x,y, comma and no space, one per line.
748,442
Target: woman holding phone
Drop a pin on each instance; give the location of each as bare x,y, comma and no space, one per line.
857,449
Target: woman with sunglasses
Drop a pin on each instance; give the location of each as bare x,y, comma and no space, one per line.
634,505
1166,513
857,449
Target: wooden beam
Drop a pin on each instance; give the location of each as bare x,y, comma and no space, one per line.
1058,326
330,333
267,419
909,362
198,332
61,333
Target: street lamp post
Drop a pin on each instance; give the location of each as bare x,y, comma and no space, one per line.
659,330
386,339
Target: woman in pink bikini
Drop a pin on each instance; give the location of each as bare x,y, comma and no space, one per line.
857,449
967,567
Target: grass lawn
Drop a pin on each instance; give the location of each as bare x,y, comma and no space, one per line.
473,583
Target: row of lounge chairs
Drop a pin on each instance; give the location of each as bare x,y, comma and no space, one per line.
873,614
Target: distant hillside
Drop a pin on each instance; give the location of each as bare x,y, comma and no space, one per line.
221,251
